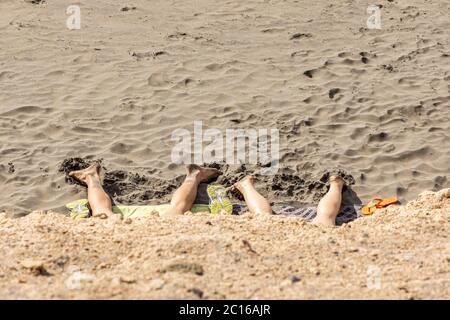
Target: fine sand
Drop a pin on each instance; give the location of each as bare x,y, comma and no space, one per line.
372,102
372,105
399,252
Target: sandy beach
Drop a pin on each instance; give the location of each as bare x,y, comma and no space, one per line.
119,86
372,103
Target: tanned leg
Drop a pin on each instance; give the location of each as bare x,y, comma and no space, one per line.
99,200
329,205
184,197
256,203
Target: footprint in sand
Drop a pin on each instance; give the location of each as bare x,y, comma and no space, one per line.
158,80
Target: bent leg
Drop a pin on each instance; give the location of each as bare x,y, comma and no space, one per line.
99,201
329,205
184,197
256,203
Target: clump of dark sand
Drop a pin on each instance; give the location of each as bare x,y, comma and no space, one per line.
35,1
132,188
284,186
72,164
126,187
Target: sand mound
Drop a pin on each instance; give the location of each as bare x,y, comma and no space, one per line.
132,188
399,252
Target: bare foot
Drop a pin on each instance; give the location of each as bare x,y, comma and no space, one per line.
337,180
82,175
202,173
244,183
237,190
255,202
329,205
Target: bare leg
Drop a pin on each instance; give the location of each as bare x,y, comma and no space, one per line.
256,203
329,205
99,200
184,197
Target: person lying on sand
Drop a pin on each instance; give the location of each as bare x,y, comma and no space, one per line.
327,209
184,197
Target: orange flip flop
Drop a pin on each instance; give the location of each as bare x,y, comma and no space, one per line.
377,203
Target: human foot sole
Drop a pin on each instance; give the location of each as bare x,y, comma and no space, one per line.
81,175
205,174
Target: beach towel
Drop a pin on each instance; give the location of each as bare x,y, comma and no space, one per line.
79,209
346,214
219,202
